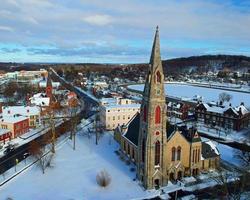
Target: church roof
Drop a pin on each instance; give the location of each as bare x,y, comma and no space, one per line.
132,133
133,128
209,150
188,134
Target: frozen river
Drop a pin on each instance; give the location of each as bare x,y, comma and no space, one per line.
208,94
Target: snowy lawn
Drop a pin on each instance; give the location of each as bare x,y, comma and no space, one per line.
73,175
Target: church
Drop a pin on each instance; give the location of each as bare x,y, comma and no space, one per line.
162,152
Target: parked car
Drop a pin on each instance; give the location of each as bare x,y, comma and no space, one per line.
9,149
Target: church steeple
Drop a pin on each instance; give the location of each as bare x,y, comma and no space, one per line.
49,87
155,53
155,77
151,164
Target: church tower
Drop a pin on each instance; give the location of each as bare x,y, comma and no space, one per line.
49,88
151,164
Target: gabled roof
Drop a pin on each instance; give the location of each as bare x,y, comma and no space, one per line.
209,150
190,134
133,125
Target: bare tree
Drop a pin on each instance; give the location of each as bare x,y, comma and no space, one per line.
103,178
224,97
41,151
74,106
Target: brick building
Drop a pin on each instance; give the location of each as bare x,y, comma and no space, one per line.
17,125
224,116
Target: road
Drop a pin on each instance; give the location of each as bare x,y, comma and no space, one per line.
9,160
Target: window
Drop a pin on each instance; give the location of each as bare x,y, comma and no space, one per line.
143,150
158,115
144,113
157,152
158,77
123,116
173,154
179,153
4,127
198,155
113,117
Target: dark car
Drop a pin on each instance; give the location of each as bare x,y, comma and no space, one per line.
8,149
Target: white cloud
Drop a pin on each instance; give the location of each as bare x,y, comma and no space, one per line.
99,20
6,28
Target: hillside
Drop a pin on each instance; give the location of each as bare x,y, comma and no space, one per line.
194,64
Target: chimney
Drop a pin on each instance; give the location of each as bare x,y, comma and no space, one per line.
242,103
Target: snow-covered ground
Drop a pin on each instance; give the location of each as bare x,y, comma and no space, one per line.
209,94
73,175
228,136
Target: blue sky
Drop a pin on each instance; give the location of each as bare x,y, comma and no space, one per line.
115,31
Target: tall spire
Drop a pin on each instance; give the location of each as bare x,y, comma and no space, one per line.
155,68
49,82
155,58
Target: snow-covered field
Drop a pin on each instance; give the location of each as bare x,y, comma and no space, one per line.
74,175
209,94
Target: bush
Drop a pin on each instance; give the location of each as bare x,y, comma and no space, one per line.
132,169
127,162
103,178
117,152
122,157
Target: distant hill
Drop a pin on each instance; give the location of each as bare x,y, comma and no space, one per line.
172,66
207,63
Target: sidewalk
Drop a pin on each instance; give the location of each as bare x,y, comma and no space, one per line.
25,164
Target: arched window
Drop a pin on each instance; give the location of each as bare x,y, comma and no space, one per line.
173,154
143,150
198,155
144,113
158,77
158,115
157,152
179,153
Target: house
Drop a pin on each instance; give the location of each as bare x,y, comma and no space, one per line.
17,124
32,112
5,135
114,112
179,110
225,116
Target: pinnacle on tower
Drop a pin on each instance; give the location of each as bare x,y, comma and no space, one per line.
155,58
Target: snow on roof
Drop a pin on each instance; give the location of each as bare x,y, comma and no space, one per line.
123,106
22,110
13,119
213,146
40,101
244,110
215,109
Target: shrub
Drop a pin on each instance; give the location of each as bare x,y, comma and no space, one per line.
127,162
132,169
103,178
